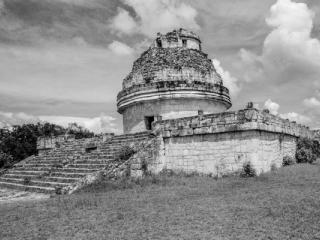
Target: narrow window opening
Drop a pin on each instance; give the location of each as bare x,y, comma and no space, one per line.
90,149
148,80
148,121
159,43
184,42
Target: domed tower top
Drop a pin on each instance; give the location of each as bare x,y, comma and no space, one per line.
178,38
172,79
175,56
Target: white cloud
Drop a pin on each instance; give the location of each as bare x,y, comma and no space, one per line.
100,124
120,48
289,52
290,16
273,107
293,116
123,22
228,81
8,119
312,103
290,43
155,16
289,61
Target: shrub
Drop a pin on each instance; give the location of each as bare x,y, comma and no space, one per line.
273,167
248,170
305,155
287,161
307,150
144,167
316,148
58,190
167,172
6,160
125,153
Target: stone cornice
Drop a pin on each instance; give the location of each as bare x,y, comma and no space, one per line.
172,90
242,120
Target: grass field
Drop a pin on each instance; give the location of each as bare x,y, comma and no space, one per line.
284,204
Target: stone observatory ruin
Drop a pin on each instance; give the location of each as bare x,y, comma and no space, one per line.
175,117
172,79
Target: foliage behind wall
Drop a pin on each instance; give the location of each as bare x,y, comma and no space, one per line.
20,142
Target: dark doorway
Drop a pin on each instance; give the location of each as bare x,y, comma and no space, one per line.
184,42
159,43
149,120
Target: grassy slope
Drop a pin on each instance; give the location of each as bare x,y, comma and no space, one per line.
280,205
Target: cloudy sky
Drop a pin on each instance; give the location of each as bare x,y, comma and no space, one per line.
64,60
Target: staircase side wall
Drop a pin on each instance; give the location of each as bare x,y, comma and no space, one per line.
149,159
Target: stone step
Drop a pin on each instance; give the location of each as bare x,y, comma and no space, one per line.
91,160
41,170
68,174
52,175
19,176
34,182
44,162
28,164
76,170
48,190
87,165
37,169
105,154
25,172
62,179
42,167
95,161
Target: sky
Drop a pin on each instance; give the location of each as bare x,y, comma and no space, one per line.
64,61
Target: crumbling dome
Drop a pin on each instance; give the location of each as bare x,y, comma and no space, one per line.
172,79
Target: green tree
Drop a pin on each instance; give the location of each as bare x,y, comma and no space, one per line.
5,160
21,141
307,150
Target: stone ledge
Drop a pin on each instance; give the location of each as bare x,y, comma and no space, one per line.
242,120
172,85
155,95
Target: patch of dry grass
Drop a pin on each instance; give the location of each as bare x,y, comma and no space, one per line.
283,204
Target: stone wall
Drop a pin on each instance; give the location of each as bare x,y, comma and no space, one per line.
221,143
68,143
215,144
134,115
148,158
170,100
225,153
243,120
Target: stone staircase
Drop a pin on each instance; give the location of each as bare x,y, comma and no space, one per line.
67,164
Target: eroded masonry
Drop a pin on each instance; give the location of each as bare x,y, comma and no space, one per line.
174,109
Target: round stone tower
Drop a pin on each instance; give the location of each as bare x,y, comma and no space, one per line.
172,79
